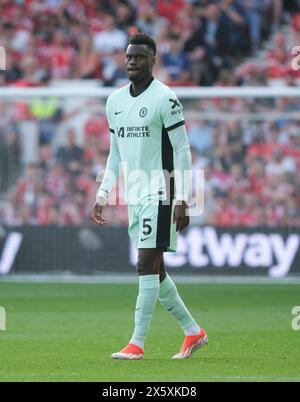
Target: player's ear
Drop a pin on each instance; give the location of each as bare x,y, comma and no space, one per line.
153,60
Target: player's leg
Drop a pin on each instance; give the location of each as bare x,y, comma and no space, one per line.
170,299
172,302
148,269
153,238
162,270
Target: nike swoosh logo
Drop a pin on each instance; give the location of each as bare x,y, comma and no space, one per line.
169,309
119,112
145,238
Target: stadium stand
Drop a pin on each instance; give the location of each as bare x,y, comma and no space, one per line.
250,165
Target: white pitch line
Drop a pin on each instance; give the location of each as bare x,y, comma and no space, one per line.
129,278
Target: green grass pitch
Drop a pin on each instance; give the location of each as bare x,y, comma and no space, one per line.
67,332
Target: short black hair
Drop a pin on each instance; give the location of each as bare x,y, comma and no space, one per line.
141,38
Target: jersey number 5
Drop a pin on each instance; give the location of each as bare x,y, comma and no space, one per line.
148,228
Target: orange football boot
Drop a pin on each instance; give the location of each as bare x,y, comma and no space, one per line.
130,352
191,344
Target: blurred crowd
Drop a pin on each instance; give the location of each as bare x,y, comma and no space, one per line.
62,39
249,149
250,166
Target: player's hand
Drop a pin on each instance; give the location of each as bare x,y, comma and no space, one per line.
96,214
181,216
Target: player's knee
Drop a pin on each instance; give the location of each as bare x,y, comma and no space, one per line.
147,266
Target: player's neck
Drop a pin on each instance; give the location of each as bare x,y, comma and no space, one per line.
138,87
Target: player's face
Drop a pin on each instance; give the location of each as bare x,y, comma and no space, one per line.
139,62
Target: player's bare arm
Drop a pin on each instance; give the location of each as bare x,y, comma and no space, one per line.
97,212
181,216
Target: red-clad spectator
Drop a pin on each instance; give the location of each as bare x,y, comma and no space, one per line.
256,176
170,9
296,21
279,52
226,213
46,213
88,65
69,213
56,181
96,126
62,57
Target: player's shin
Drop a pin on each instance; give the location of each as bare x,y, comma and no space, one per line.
146,301
172,302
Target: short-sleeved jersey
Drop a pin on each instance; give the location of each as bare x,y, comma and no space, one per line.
142,125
